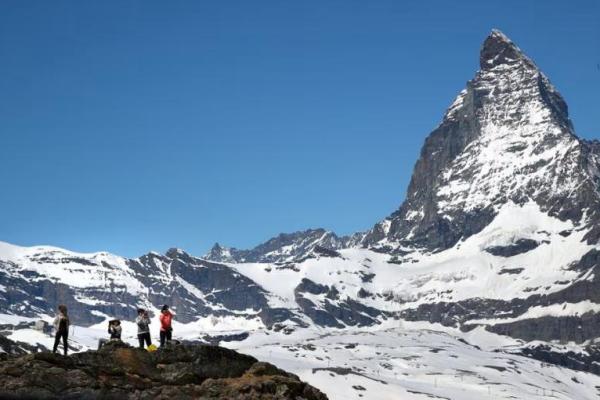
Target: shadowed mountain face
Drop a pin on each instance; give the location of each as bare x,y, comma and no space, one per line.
499,228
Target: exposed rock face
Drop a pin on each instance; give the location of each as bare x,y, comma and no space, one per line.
177,372
588,360
518,247
330,310
506,137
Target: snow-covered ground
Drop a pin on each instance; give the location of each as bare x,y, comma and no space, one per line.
392,360
418,362
399,360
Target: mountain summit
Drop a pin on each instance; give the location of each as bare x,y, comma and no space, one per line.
499,49
507,137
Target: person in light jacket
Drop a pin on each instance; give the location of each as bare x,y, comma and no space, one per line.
142,321
61,326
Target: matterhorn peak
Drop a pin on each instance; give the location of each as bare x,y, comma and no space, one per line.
506,139
498,49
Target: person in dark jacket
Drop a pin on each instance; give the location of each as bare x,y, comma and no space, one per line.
114,329
142,321
166,328
61,326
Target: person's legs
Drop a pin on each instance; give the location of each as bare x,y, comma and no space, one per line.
56,341
162,338
66,341
141,340
147,338
169,335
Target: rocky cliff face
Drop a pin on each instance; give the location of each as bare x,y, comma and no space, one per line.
176,372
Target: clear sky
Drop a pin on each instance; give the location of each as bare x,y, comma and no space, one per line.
131,126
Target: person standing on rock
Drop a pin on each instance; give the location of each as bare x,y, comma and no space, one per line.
166,329
142,322
61,326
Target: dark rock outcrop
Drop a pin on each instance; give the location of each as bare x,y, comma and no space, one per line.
570,328
587,360
518,247
332,310
118,371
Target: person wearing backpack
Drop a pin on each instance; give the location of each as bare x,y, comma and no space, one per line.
142,322
61,326
166,329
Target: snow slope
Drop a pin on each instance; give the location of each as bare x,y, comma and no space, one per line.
397,361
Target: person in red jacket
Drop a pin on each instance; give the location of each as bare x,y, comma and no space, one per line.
166,328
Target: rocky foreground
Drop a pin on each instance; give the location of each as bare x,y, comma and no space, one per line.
118,371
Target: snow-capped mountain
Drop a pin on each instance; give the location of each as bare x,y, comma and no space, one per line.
507,137
287,247
501,222
99,285
499,235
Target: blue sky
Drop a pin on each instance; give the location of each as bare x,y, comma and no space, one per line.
143,125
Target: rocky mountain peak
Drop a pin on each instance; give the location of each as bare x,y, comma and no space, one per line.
507,137
220,254
285,247
175,252
498,49
216,249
